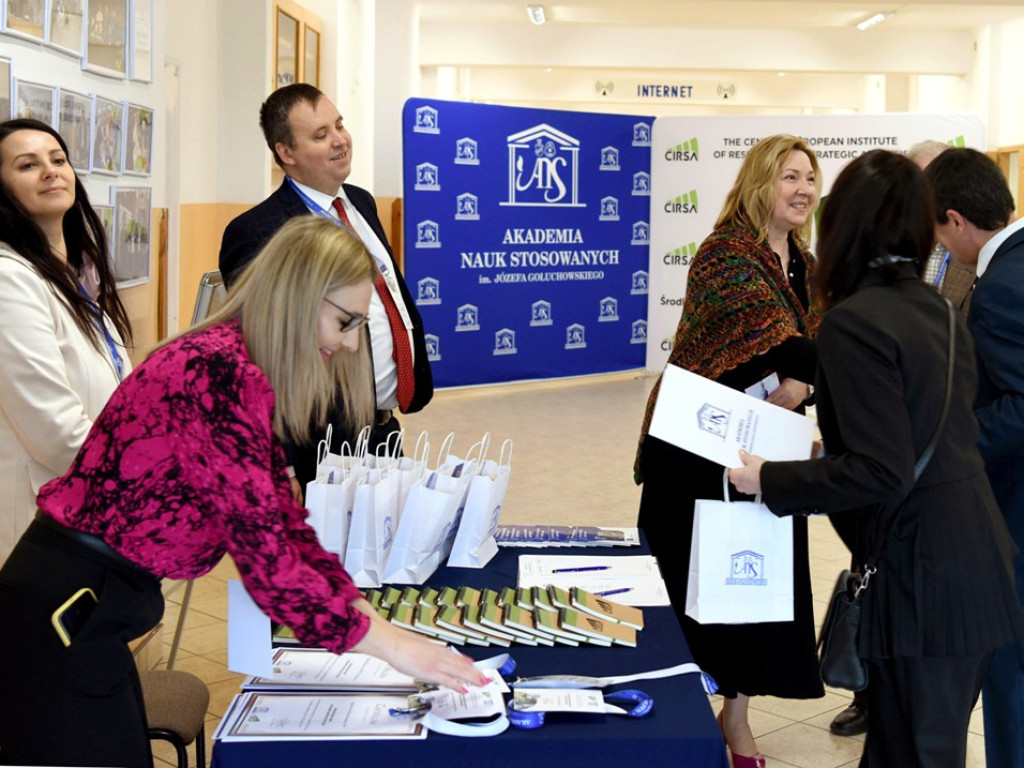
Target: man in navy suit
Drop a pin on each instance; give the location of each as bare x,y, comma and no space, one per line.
974,210
307,136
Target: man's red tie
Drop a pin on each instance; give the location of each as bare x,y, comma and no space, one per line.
401,350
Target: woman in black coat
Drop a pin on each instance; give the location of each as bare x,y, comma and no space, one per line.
943,597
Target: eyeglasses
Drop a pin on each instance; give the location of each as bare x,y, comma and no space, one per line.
355,320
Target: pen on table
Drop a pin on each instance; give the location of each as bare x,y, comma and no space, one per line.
580,570
614,591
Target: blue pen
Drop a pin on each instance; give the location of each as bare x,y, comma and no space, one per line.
580,570
614,592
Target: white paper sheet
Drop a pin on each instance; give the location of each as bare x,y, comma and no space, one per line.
631,580
250,651
714,421
319,669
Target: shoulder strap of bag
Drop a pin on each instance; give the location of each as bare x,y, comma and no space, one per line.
870,565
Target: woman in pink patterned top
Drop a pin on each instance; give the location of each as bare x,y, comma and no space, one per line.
183,466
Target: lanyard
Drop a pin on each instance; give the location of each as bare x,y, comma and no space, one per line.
310,203
318,210
637,704
97,318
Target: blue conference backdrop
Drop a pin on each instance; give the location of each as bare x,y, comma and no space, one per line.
526,239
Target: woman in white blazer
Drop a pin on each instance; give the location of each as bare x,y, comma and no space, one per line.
62,325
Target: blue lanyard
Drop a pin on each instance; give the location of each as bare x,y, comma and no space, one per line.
317,210
314,208
942,271
97,318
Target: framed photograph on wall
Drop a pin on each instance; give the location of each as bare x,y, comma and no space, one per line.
106,214
74,123
26,18
107,136
34,100
106,38
286,49
6,89
138,140
140,44
130,248
67,26
311,69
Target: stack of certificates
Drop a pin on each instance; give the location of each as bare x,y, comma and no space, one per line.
529,616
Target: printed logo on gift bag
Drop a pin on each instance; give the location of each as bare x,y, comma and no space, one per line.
747,569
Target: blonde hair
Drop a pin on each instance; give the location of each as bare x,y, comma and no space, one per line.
278,299
751,201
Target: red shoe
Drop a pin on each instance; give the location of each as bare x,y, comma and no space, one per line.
741,761
747,761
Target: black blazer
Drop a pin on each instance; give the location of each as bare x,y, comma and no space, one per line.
944,585
247,233
996,321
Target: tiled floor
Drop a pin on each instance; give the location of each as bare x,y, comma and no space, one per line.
574,444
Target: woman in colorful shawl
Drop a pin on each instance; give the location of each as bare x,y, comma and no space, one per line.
747,319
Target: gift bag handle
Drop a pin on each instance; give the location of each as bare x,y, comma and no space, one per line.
446,449
362,443
324,446
725,488
388,451
422,450
503,460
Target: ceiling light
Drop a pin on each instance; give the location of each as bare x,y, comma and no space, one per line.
536,13
878,18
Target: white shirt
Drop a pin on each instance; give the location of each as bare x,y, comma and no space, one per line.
988,250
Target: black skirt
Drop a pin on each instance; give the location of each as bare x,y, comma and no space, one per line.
768,659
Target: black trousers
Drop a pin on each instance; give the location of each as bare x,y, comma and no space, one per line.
920,709
77,705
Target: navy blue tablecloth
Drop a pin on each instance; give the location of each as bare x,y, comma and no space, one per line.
680,731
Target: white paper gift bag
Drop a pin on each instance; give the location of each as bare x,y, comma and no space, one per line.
426,521
371,532
349,457
474,544
410,470
741,564
329,500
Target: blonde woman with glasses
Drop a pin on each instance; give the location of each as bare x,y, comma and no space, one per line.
183,466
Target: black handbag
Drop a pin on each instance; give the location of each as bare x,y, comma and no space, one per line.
840,663
839,658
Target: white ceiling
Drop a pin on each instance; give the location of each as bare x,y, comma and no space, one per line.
747,14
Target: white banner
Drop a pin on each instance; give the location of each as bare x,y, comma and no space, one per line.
695,160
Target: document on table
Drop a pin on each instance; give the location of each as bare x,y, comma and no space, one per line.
256,716
714,421
321,670
630,580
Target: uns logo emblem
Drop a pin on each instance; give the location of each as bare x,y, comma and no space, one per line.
544,175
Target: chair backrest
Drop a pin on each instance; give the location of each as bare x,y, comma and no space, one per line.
210,296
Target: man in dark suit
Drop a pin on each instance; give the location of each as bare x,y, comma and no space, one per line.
974,210
307,136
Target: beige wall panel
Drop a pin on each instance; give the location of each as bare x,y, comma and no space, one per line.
202,226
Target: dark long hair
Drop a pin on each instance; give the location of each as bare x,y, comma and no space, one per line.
879,206
84,237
